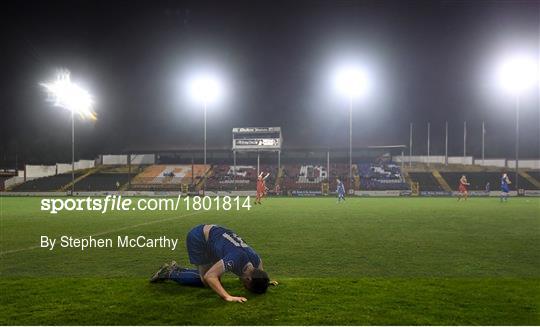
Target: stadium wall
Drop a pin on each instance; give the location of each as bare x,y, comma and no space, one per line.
531,164
491,162
34,171
14,181
434,159
421,159
460,160
122,159
143,159
81,164
113,159
523,163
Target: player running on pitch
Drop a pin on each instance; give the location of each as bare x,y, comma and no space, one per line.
216,250
261,187
340,190
505,188
463,193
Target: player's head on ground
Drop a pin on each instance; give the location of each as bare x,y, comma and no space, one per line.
256,281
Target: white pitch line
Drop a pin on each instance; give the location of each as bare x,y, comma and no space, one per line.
108,232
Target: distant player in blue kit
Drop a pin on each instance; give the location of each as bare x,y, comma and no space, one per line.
340,190
216,250
505,189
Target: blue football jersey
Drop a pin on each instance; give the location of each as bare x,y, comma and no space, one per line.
224,244
340,187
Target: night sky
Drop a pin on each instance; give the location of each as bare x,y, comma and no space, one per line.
430,61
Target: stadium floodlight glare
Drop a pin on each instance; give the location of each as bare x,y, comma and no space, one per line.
65,94
206,89
351,81
518,73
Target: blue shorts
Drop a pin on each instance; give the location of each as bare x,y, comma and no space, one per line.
505,189
197,247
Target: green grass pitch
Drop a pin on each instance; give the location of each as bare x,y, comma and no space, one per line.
378,261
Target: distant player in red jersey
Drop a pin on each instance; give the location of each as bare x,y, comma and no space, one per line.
463,193
261,187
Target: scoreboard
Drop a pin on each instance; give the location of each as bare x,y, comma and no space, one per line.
257,138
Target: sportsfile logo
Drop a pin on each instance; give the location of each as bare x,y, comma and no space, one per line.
119,203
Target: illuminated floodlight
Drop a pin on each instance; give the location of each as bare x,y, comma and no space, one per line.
206,89
517,73
65,94
351,81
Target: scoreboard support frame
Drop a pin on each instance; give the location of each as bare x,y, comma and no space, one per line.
256,139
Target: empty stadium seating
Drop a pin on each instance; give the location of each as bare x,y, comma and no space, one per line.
426,181
305,177
43,184
381,176
241,177
2,180
535,175
478,180
102,182
169,177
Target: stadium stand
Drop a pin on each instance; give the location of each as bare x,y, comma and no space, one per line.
2,180
535,175
102,182
169,177
305,177
381,177
225,178
50,183
478,180
426,181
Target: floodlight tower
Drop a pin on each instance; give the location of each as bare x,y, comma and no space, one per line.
517,74
351,82
205,89
65,94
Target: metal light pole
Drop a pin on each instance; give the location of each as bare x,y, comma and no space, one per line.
204,178
483,142
517,142
72,152
410,145
464,140
66,94
428,140
446,144
350,141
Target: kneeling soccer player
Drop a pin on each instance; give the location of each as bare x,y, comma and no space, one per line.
216,250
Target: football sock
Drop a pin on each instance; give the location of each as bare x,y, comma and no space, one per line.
186,276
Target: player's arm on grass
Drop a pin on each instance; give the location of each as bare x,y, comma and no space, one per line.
212,279
202,271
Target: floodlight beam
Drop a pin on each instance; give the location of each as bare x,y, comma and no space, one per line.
516,74
65,94
206,89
